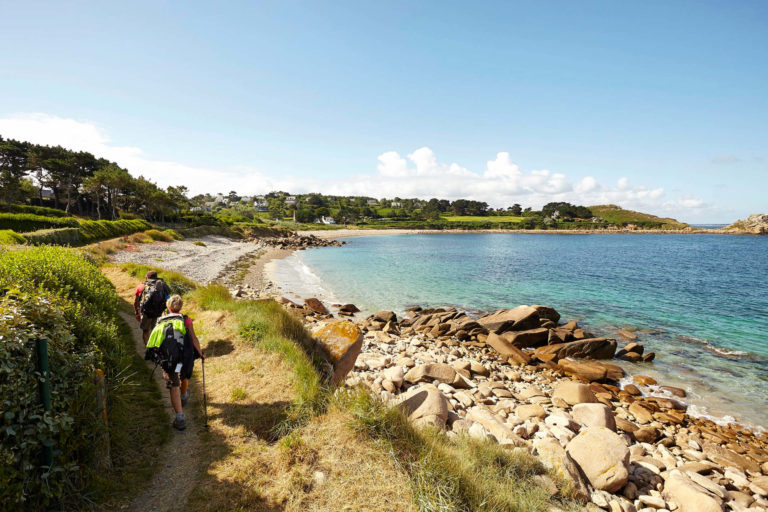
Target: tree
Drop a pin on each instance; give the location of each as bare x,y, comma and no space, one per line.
515,210
276,208
13,168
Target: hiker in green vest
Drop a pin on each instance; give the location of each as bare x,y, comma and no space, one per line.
174,346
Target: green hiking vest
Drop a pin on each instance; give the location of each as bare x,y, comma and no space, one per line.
166,342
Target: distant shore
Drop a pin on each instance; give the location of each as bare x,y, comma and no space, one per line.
355,232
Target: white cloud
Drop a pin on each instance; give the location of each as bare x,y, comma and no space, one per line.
419,174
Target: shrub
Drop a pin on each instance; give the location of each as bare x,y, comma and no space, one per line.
55,293
157,235
10,237
174,234
199,243
62,236
35,210
23,222
94,230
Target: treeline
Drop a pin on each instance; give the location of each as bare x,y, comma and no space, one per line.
81,183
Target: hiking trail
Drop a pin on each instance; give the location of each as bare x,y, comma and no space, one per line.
176,476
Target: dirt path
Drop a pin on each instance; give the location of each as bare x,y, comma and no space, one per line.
175,478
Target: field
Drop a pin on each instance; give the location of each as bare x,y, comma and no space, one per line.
490,218
621,217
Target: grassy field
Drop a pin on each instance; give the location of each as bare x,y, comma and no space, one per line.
491,218
621,217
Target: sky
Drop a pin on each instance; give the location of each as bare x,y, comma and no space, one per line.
654,106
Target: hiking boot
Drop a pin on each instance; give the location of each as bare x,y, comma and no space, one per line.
184,399
180,423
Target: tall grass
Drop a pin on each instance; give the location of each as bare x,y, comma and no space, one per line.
267,325
464,474
10,237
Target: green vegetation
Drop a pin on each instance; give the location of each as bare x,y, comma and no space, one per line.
57,294
199,243
10,237
494,219
94,230
618,216
178,283
24,222
62,236
34,210
452,475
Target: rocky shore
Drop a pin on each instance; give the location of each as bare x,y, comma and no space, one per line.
526,380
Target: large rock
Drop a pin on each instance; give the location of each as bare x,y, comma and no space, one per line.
592,348
316,306
395,375
527,339
425,401
494,425
520,318
431,371
756,224
689,496
588,370
507,349
574,393
385,316
553,456
341,342
547,312
726,457
603,457
594,415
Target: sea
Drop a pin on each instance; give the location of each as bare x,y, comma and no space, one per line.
699,301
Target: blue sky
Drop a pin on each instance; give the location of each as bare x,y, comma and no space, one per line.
660,106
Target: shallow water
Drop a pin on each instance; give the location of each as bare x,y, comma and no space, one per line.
699,301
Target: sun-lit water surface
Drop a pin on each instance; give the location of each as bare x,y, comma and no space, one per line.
699,301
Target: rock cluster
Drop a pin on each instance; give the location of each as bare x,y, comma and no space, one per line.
299,242
512,377
756,224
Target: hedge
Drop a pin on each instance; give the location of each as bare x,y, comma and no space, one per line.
34,210
63,236
24,222
55,293
10,237
95,230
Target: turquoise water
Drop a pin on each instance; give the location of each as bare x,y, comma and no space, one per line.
699,301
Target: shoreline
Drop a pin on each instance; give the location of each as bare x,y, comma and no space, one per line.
334,234
700,407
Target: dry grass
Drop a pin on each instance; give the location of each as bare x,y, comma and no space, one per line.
246,462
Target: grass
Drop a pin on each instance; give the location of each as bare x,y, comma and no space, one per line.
453,475
178,283
199,243
621,217
10,237
139,429
280,440
490,218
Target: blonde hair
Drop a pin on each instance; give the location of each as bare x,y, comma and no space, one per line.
174,303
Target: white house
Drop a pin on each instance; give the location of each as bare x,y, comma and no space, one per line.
290,200
373,202
327,220
396,204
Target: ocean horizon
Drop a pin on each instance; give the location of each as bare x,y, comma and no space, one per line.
697,301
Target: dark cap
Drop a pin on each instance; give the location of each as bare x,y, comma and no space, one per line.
152,274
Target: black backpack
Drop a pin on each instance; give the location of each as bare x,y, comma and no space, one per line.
166,343
153,298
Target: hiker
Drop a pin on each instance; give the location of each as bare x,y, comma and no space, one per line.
149,302
173,344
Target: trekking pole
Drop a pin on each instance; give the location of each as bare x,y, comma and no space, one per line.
205,399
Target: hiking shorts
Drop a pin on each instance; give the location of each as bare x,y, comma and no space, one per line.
171,380
147,323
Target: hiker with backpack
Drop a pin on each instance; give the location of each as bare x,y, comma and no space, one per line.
174,346
149,302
